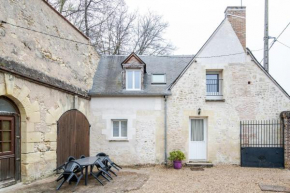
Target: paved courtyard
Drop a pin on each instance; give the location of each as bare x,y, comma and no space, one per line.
159,179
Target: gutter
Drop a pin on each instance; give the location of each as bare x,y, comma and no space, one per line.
130,95
165,129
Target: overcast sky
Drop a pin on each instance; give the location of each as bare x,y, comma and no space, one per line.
193,21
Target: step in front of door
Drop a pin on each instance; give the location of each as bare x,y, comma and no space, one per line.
199,164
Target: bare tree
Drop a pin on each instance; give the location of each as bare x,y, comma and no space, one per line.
149,36
113,30
115,36
87,14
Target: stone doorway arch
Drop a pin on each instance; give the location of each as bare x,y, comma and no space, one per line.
10,142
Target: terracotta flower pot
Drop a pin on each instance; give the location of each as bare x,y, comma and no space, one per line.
177,164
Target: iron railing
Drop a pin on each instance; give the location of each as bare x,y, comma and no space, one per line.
214,87
263,133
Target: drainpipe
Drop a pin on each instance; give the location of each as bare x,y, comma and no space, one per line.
165,129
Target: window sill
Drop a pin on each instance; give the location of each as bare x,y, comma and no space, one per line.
118,140
158,83
215,100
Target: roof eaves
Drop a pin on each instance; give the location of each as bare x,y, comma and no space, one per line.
267,73
128,95
190,62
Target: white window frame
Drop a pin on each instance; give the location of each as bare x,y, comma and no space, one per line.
120,135
133,83
158,82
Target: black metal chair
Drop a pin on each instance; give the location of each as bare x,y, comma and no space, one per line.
82,157
69,173
102,171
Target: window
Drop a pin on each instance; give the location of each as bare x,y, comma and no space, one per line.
197,130
133,79
213,84
158,78
119,128
6,135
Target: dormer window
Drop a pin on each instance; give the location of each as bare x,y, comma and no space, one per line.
133,79
133,73
158,79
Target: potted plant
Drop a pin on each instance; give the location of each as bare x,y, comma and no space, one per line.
177,156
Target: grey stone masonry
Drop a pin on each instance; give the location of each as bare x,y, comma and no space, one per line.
285,116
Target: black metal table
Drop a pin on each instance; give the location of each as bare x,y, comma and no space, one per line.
86,162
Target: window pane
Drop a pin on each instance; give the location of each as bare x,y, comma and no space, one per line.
197,131
115,128
6,135
158,78
212,83
6,125
212,76
137,79
129,79
6,105
6,147
124,128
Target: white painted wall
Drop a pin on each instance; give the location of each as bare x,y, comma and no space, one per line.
223,42
145,117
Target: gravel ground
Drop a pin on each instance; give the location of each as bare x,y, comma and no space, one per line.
217,179
160,179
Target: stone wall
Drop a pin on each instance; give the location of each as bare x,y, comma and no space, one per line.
249,95
145,117
67,61
285,116
40,108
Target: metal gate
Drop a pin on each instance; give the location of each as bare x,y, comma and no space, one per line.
262,144
73,136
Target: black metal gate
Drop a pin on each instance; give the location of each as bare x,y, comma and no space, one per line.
262,144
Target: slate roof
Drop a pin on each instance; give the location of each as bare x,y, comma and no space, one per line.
108,77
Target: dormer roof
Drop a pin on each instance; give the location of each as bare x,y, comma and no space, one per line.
134,60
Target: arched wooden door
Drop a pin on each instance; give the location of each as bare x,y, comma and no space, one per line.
73,136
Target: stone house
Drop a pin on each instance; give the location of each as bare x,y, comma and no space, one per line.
143,107
134,108
41,77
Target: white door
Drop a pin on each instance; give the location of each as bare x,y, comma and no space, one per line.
198,140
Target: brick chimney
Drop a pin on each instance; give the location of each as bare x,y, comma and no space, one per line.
237,18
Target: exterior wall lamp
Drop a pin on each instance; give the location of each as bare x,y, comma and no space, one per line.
199,111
